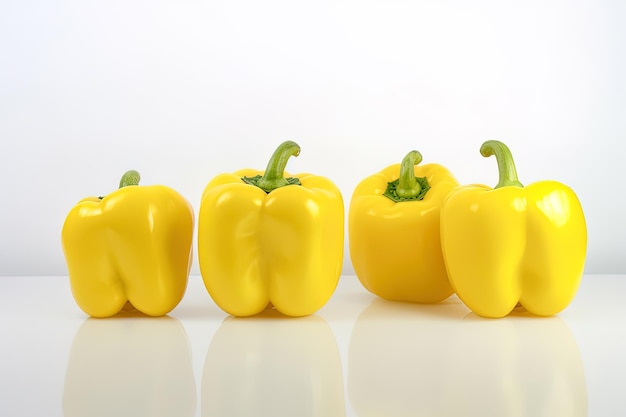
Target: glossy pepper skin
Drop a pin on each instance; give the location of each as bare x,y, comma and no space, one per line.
513,244
394,235
264,239
129,249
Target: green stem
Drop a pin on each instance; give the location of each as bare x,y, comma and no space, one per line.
131,177
274,176
506,166
408,187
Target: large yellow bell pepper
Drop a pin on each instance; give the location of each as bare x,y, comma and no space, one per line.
129,249
264,239
394,234
513,244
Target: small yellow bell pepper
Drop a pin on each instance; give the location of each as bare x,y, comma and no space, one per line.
129,250
394,236
513,244
264,239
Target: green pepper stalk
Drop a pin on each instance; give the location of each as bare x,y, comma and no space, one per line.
408,187
506,167
131,177
274,175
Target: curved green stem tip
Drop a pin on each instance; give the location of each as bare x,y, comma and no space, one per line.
506,167
131,177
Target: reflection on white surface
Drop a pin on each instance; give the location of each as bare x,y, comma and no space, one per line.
438,360
271,365
130,366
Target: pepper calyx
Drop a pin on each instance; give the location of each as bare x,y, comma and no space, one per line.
392,190
255,181
408,187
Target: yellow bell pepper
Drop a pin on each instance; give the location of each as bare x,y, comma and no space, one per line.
513,244
394,236
129,250
264,239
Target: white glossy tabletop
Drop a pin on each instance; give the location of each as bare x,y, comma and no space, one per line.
358,356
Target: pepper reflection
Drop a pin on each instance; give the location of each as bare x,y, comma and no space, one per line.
438,360
130,365
272,365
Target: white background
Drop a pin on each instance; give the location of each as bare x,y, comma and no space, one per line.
183,90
